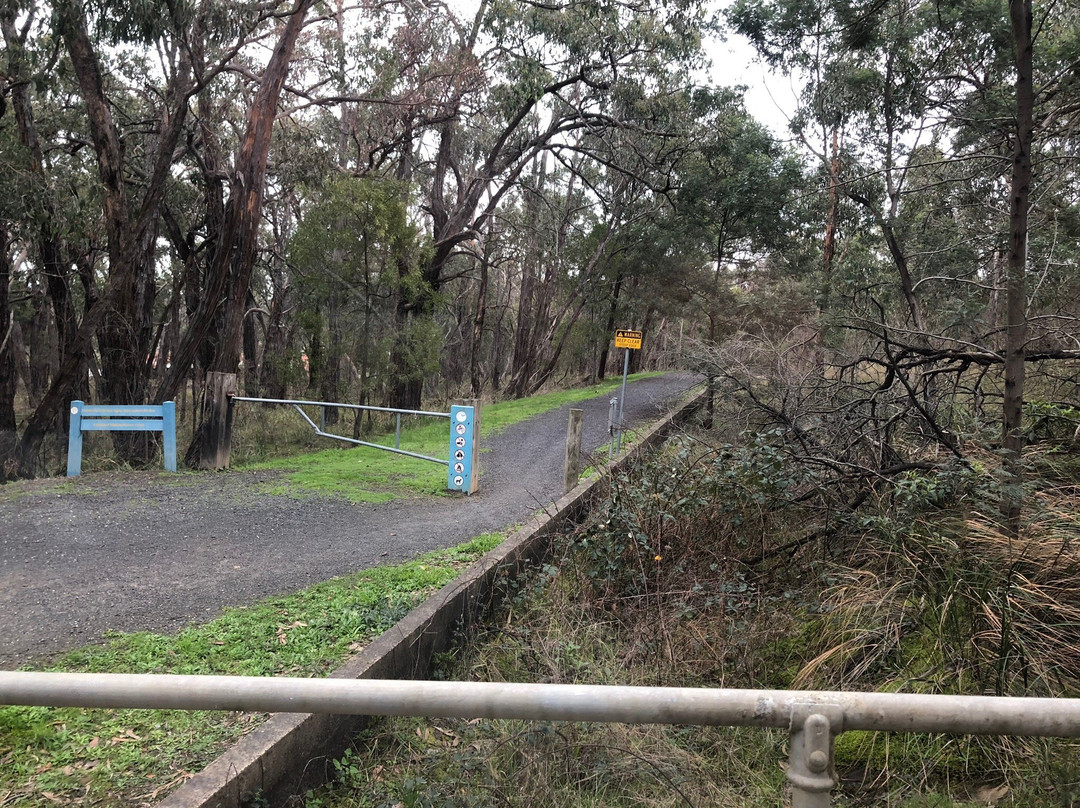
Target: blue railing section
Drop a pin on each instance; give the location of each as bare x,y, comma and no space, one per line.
120,418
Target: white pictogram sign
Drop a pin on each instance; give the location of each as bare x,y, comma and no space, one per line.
459,442
459,481
462,417
460,428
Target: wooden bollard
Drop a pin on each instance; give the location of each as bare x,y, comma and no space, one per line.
217,421
572,468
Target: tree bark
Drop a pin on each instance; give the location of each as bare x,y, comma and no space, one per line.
127,229
476,382
609,333
234,255
8,437
1012,495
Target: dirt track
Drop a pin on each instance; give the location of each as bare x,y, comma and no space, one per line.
152,551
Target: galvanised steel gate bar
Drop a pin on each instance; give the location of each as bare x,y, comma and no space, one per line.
814,718
321,430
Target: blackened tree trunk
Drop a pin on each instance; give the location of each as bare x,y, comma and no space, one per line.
42,336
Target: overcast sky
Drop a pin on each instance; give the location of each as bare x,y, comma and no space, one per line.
770,97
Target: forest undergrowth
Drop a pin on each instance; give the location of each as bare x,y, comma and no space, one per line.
722,561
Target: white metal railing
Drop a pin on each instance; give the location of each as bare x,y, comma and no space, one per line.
320,428
814,718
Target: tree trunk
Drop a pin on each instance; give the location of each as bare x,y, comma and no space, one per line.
42,338
476,383
636,357
128,230
330,382
1012,494
407,390
8,438
230,270
609,333
832,223
49,246
272,370
211,452
250,346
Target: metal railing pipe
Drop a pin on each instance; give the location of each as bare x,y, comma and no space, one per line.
893,712
358,442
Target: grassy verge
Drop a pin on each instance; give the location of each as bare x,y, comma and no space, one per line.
362,474
123,757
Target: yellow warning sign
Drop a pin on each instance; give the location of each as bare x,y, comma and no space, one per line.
628,339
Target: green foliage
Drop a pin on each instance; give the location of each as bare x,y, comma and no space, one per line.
418,344
690,510
354,229
1051,421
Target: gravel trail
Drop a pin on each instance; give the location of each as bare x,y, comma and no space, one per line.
149,551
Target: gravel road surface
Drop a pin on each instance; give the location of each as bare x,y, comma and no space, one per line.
149,551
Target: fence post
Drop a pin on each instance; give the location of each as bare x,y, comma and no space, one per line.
217,426
74,466
811,771
612,408
168,434
572,466
475,404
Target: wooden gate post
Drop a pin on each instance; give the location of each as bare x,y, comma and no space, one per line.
572,467
217,421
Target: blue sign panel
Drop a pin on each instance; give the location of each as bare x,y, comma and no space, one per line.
462,437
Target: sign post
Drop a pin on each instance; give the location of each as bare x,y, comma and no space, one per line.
461,475
629,340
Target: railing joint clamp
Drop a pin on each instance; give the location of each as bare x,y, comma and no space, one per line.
810,761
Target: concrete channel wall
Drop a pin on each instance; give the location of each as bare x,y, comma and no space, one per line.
291,752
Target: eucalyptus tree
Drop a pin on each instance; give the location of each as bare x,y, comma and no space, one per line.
348,253
735,190
550,72
952,117
132,167
133,68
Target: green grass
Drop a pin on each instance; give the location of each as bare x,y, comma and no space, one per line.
51,756
362,474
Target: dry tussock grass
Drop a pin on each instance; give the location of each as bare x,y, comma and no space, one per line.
959,606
